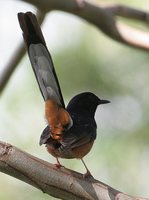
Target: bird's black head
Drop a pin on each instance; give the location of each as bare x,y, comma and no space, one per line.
85,102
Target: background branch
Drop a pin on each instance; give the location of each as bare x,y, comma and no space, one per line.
61,183
103,16
11,66
16,58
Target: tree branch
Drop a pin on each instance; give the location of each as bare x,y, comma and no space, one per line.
61,183
11,66
103,16
16,58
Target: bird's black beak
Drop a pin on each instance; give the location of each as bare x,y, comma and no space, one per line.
44,136
103,101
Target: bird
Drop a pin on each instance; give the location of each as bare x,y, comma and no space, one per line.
71,130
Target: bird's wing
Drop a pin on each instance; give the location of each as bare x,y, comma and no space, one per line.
78,136
40,58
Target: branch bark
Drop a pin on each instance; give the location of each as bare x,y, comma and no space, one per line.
61,183
104,17
16,58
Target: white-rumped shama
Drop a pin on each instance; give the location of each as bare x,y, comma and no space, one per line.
71,130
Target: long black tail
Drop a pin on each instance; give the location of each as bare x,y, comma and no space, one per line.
40,58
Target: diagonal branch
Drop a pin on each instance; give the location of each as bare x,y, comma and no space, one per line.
11,66
104,16
16,58
61,183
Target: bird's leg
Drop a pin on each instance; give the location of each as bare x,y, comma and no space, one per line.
58,164
88,173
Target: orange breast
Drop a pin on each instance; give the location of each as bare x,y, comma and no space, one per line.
57,118
54,152
78,152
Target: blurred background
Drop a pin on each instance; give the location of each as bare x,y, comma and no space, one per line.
85,60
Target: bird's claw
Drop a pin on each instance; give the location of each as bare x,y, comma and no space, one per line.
58,165
87,175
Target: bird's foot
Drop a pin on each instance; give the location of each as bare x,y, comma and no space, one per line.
87,175
58,164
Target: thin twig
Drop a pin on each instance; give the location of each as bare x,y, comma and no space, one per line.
11,66
16,58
